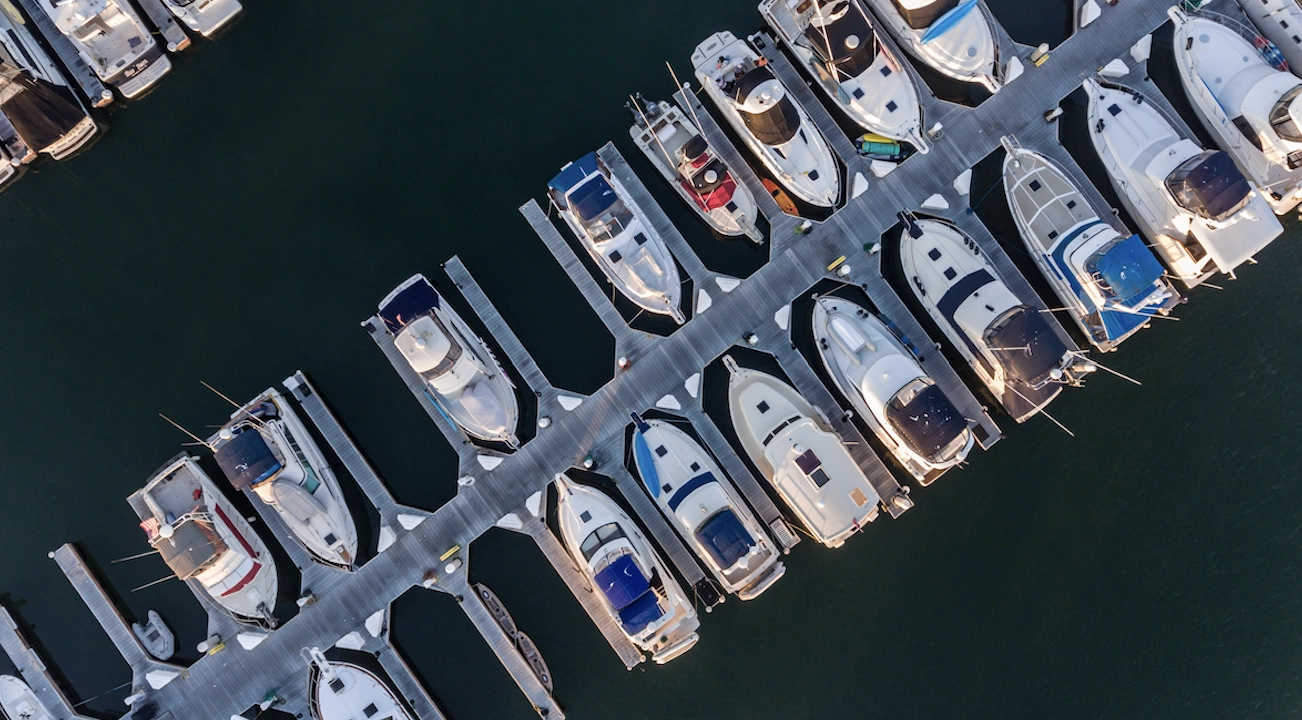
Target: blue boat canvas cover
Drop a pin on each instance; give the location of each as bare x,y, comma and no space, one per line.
629,592
411,303
725,538
1129,270
246,459
570,177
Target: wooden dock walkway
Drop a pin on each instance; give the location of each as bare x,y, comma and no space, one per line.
34,671
503,646
174,37
146,671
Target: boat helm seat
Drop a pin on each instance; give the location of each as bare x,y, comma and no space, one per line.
848,335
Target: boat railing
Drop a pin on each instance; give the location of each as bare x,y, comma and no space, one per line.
1267,49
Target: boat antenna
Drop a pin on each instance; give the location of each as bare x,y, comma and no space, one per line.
647,123
159,581
1043,412
194,437
685,90
1105,368
242,408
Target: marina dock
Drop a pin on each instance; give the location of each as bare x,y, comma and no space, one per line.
419,549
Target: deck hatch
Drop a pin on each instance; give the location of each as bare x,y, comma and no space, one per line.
615,256
934,254
661,451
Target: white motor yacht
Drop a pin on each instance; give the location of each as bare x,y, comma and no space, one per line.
203,538
632,581
696,497
34,95
1009,344
954,37
1251,108
18,702
344,691
463,377
1280,21
113,41
889,390
1195,205
1109,283
675,146
610,226
805,462
205,17
266,450
838,42
738,80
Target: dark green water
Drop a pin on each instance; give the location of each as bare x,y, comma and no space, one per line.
236,225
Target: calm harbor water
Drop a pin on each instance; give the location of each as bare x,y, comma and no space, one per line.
235,225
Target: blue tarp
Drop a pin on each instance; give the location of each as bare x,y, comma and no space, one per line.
573,173
622,582
409,304
592,198
948,21
644,611
246,459
725,538
1130,269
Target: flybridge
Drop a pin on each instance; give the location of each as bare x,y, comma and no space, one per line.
507,486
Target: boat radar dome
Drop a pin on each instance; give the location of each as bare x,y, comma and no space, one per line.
419,343
711,176
851,41
166,530
225,434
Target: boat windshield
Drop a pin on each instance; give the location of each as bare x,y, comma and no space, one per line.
1281,120
927,420
1026,346
921,14
1210,184
840,35
599,537
601,211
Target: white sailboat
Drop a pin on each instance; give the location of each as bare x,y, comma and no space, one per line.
203,538
632,582
955,37
112,39
699,502
610,226
46,115
1009,344
805,462
676,148
736,77
266,451
1109,283
889,390
839,43
1250,106
462,375
1200,212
